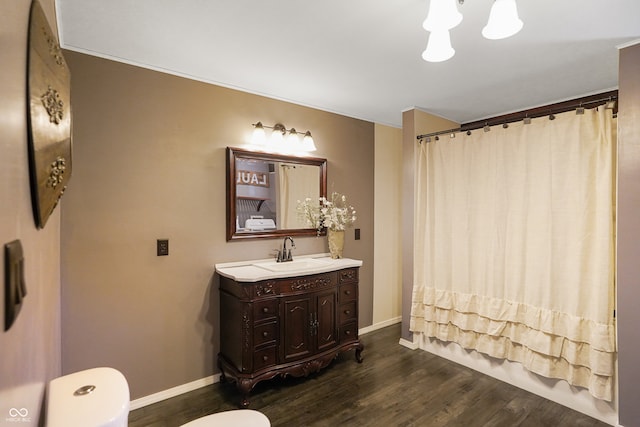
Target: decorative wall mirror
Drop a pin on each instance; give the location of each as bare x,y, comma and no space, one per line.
263,190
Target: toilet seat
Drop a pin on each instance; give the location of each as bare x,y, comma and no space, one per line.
235,418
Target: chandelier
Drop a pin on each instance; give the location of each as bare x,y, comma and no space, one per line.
443,15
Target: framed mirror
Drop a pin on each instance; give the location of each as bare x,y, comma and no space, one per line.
263,190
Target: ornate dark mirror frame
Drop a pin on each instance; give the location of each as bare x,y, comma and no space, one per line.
237,153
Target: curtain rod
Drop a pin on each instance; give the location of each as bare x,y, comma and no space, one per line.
532,113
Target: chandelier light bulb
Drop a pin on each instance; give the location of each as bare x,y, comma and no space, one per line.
438,47
503,20
442,15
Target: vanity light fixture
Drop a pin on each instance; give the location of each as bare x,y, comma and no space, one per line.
282,139
443,15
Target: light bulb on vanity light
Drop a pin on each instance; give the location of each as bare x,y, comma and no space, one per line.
307,142
259,136
277,140
293,141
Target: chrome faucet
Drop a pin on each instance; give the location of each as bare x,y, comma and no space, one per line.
285,255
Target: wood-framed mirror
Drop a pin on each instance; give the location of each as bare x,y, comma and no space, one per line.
263,190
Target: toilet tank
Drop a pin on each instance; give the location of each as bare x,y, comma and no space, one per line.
97,397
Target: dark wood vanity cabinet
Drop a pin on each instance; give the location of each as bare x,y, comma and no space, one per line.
286,326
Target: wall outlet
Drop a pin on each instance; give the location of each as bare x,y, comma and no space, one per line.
162,247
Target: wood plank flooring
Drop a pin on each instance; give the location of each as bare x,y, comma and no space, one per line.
394,386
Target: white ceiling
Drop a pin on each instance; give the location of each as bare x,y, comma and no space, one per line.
361,58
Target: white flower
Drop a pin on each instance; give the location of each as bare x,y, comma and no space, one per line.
334,214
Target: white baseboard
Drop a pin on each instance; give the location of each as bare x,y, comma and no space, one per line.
194,385
409,344
379,325
173,392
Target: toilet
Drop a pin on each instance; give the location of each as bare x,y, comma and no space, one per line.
99,397
95,397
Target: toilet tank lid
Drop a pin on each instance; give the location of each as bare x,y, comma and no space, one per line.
97,397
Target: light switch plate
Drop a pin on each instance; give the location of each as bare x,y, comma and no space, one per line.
15,288
162,247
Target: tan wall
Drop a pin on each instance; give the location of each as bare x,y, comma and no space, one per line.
629,235
30,350
149,163
387,272
414,123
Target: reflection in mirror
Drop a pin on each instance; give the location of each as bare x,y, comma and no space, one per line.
263,190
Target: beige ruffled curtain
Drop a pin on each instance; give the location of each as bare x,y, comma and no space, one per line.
514,245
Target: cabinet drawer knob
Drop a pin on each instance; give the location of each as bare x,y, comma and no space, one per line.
265,334
347,332
265,358
347,292
265,309
347,312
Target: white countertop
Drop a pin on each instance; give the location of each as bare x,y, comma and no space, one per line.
302,265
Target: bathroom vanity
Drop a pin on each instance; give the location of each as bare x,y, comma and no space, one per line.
289,318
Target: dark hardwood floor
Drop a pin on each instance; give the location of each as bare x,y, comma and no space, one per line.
394,386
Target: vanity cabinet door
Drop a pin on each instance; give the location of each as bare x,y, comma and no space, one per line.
308,324
296,319
325,326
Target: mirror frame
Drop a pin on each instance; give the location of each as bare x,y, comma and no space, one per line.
238,153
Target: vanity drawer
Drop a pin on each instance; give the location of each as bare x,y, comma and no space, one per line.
348,293
347,312
264,357
349,332
265,309
348,275
265,333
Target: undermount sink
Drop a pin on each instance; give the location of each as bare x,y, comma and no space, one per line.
298,265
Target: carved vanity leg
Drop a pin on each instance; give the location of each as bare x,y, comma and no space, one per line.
359,349
244,403
223,378
244,386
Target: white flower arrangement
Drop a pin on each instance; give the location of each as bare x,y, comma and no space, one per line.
334,214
